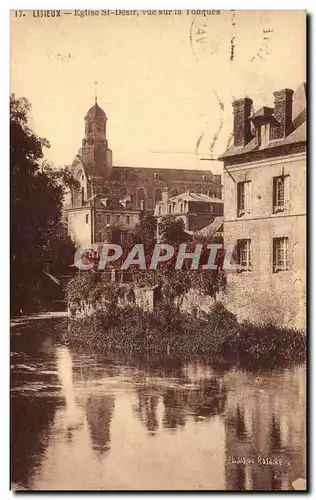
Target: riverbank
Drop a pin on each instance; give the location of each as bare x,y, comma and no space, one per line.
159,405
20,320
216,335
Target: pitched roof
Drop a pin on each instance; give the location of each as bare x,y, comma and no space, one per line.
295,137
162,174
190,196
298,134
212,228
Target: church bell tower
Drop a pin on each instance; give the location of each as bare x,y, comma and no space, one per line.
95,153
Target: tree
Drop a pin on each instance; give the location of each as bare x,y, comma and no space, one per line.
146,231
175,283
171,230
37,191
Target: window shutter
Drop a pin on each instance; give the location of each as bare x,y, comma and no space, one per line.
248,196
274,191
287,191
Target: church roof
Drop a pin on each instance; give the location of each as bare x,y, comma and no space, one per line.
95,112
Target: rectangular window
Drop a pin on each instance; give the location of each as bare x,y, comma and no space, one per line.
280,193
243,198
99,218
128,220
170,209
108,219
181,208
87,218
244,254
280,254
117,219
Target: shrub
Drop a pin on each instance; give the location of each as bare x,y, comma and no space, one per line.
217,336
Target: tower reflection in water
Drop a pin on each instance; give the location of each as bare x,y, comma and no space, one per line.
99,411
92,410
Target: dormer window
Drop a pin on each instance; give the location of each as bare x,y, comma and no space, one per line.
264,134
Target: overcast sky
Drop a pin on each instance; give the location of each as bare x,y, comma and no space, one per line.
162,80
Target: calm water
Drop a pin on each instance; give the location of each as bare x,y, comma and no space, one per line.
81,421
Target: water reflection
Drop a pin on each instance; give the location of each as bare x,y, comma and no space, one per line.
81,421
147,407
266,428
99,411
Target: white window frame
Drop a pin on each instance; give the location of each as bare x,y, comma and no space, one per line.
281,204
244,255
280,254
244,207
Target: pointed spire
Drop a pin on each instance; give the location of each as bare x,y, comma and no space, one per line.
95,92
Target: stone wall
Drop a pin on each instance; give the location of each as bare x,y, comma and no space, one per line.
261,295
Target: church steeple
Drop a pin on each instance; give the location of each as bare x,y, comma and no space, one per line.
95,125
95,150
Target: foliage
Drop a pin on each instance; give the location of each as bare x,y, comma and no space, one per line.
37,191
166,331
171,230
146,231
175,283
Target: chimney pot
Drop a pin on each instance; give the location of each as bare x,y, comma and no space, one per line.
283,100
242,130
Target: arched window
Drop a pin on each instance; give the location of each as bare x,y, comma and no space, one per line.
122,192
90,127
158,195
141,198
106,190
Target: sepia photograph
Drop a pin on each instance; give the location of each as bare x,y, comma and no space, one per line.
158,250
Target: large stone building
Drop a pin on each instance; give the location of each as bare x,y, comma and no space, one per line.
265,209
197,210
116,197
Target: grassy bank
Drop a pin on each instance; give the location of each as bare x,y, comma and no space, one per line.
217,336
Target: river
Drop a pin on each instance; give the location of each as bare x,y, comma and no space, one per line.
86,422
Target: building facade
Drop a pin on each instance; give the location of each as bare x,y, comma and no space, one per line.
265,210
110,196
197,210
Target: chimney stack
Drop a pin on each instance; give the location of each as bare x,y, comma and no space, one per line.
283,100
242,112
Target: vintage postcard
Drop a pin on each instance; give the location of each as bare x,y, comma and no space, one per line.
158,250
